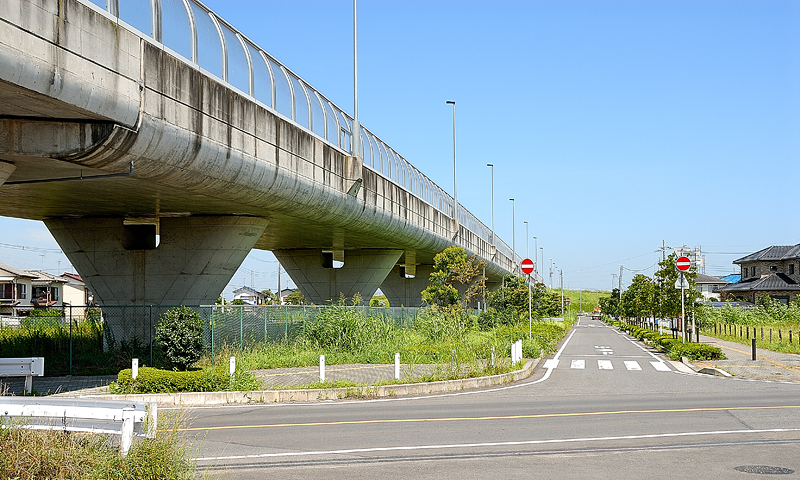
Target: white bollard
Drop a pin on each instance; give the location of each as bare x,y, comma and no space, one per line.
492,357
232,366
134,368
397,366
322,368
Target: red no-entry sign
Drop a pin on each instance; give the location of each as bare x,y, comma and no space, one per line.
527,265
683,264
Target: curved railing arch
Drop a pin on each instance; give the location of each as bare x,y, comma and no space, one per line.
205,40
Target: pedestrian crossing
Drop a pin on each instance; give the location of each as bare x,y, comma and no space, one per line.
605,364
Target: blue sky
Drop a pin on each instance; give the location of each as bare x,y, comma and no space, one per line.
614,124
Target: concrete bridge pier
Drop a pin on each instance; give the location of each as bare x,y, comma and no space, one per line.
6,169
313,271
123,262
402,290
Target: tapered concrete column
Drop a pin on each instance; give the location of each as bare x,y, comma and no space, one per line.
6,169
192,264
363,272
406,292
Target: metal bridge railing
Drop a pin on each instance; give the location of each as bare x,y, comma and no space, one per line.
208,42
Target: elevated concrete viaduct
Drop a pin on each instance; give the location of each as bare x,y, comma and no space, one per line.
157,173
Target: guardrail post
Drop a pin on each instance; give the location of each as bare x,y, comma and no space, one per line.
152,419
127,430
397,366
322,368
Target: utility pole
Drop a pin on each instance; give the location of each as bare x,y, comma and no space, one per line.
561,274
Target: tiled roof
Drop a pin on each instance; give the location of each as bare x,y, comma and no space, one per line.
709,279
775,252
16,272
776,281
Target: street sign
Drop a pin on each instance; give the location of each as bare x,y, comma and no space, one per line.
527,266
682,283
566,300
683,264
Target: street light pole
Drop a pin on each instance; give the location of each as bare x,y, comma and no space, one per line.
491,167
535,249
527,253
356,125
455,184
513,236
542,264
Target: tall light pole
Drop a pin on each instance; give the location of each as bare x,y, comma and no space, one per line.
356,125
542,264
513,236
491,167
455,185
527,253
535,253
551,273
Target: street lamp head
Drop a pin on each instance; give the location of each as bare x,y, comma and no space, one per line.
450,102
511,199
489,165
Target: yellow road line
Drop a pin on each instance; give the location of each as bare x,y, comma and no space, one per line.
475,419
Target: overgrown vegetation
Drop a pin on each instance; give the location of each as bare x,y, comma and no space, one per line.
210,379
180,334
769,322
55,455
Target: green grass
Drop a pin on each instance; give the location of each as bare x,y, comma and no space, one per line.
582,300
346,336
778,318
56,455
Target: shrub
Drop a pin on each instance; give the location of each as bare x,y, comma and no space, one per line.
153,380
694,351
180,334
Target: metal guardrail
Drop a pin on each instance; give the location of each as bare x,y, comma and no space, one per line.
23,367
79,415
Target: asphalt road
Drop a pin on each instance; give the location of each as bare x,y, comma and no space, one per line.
602,407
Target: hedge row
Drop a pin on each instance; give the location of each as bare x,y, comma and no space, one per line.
153,380
673,347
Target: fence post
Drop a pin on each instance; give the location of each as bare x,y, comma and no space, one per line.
70,339
241,326
151,335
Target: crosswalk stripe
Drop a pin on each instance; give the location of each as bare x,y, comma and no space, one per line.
632,365
605,365
660,366
551,363
578,364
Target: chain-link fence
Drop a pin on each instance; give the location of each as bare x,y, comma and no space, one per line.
91,340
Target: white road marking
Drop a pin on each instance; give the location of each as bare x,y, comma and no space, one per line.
605,365
578,364
551,363
496,444
632,365
660,366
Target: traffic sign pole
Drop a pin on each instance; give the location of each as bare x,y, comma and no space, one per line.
683,313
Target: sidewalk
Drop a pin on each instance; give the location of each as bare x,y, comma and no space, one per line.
269,378
768,365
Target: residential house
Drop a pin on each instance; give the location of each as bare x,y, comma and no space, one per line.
250,296
709,287
774,271
23,290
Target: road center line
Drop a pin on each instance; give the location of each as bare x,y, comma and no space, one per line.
495,444
489,418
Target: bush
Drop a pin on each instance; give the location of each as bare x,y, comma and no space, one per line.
180,334
153,380
694,351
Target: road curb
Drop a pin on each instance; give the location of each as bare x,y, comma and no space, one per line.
195,399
